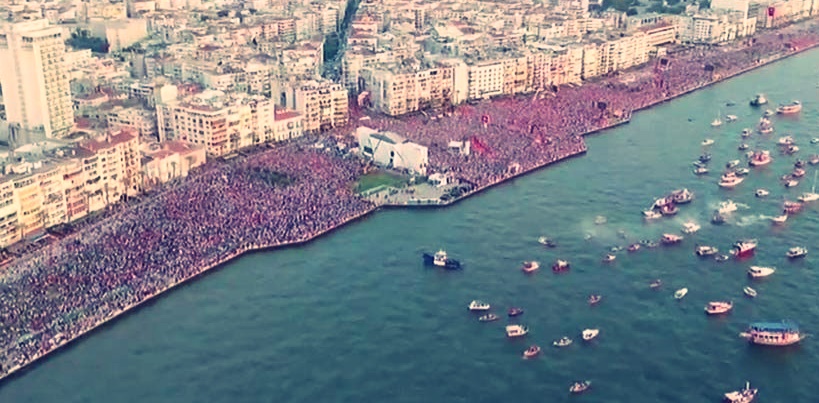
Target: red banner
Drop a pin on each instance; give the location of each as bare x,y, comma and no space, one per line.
771,11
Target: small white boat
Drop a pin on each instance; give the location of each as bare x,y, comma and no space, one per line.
477,305
590,334
529,267
609,258
651,214
721,258
812,195
718,307
707,142
600,220
545,241
791,183
768,113
780,219
731,118
670,239
531,352
580,387
562,342
716,122
516,330
680,294
746,395
705,250
790,150
746,132
690,227
730,180
700,171
594,299
732,164
749,292
785,141
742,171
490,317
814,140
727,206
760,271
762,193
797,252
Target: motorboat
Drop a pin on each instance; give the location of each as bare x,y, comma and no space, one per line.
792,207
744,248
743,147
718,218
547,242
799,164
790,150
768,113
785,141
791,183
662,202
590,334
789,109
700,171
682,196
681,293
718,307
746,395
615,248
812,195
699,164
560,266
651,214
580,386
760,271
730,180
762,193
727,206
670,239
707,142
813,159
608,258
516,330
440,259
633,247
531,352
600,220
705,250
746,132
759,100
742,171
797,252
530,267
760,158
648,243
721,258
594,299
784,333
515,311
655,284
814,140
562,342
732,164
669,209
690,227
478,305
731,118
749,292
490,317
705,157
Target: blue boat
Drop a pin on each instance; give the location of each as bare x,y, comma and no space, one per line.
440,259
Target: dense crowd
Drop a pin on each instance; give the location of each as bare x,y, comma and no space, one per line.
293,193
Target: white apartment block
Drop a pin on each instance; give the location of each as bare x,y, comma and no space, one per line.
168,160
113,170
323,104
9,213
34,78
395,91
485,79
731,5
715,28
135,118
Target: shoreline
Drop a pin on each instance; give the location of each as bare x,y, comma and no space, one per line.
208,267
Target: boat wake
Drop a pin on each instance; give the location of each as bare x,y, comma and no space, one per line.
753,220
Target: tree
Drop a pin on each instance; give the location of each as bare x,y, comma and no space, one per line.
631,11
82,39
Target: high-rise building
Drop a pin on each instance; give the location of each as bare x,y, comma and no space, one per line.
34,78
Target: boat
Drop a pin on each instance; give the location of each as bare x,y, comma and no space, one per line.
730,103
707,142
790,150
721,258
699,164
760,158
670,239
600,220
662,202
690,227
609,258
799,164
718,307
700,171
547,242
440,259
789,109
782,333
593,299
791,207
648,243
705,250
705,157
478,305
718,218
731,118
580,387
730,180
742,171
743,147
732,164
768,113
490,317
813,159
634,247
746,132
529,267
797,252
717,122
798,173
785,141
516,330
655,284
746,395
780,219
814,140
727,206
669,209
682,196
531,352
680,294
560,266
651,214
590,334
791,183
762,193
515,311
744,248
759,100
749,292
760,271
562,342
812,195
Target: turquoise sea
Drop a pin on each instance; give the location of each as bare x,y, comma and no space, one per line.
356,317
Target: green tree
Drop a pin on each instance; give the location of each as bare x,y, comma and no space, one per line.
82,39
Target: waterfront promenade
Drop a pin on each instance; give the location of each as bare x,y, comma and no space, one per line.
295,193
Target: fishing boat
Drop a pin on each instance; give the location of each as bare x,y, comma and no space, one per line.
797,252
792,207
589,334
608,258
744,248
742,171
560,266
762,193
478,305
749,292
669,209
594,299
784,333
490,317
730,180
791,183
707,142
718,307
682,196
516,330
759,100
634,247
780,219
799,163
790,150
798,173
531,352
731,164
760,271
727,206
681,293
705,250
515,311
547,242
746,395
789,109
440,259
530,267
700,171
705,158
812,195
562,342
690,227
760,158
651,214
580,386
785,141
743,147
655,284
670,239
813,159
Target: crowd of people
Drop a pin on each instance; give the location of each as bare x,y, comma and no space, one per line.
295,192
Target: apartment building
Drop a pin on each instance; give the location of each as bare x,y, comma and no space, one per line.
167,160
9,213
400,89
112,166
485,78
322,103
